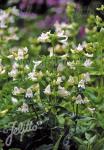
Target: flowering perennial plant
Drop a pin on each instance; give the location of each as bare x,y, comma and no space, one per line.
63,88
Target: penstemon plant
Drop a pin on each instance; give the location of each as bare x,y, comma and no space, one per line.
63,88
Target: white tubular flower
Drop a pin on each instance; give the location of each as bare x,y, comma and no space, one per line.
15,11
10,56
44,37
59,80
13,73
60,67
36,63
57,26
64,56
16,91
86,77
62,38
2,25
15,65
32,76
87,63
27,67
2,69
24,108
51,52
64,25
81,84
71,65
3,17
25,50
62,92
47,90
71,80
29,93
14,100
79,48
79,100
20,54
89,55
92,110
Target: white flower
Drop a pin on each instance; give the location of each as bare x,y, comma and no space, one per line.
24,108
47,90
79,48
71,65
79,100
20,54
62,92
91,110
81,84
13,73
86,100
3,17
60,67
11,19
59,80
10,56
84,44
44,37
16,91
27,67
62,38
71,80
2,69
36,63
32,76
89,55
51,52
2,25
59,26
64,25
64,56
87,63
15,11
15,65
87,77
25,50
29,93
14,100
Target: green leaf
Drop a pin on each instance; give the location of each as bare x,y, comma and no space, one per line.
58,142
99,145
88,136
92,139
78,140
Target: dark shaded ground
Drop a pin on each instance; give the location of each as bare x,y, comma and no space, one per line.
39,140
